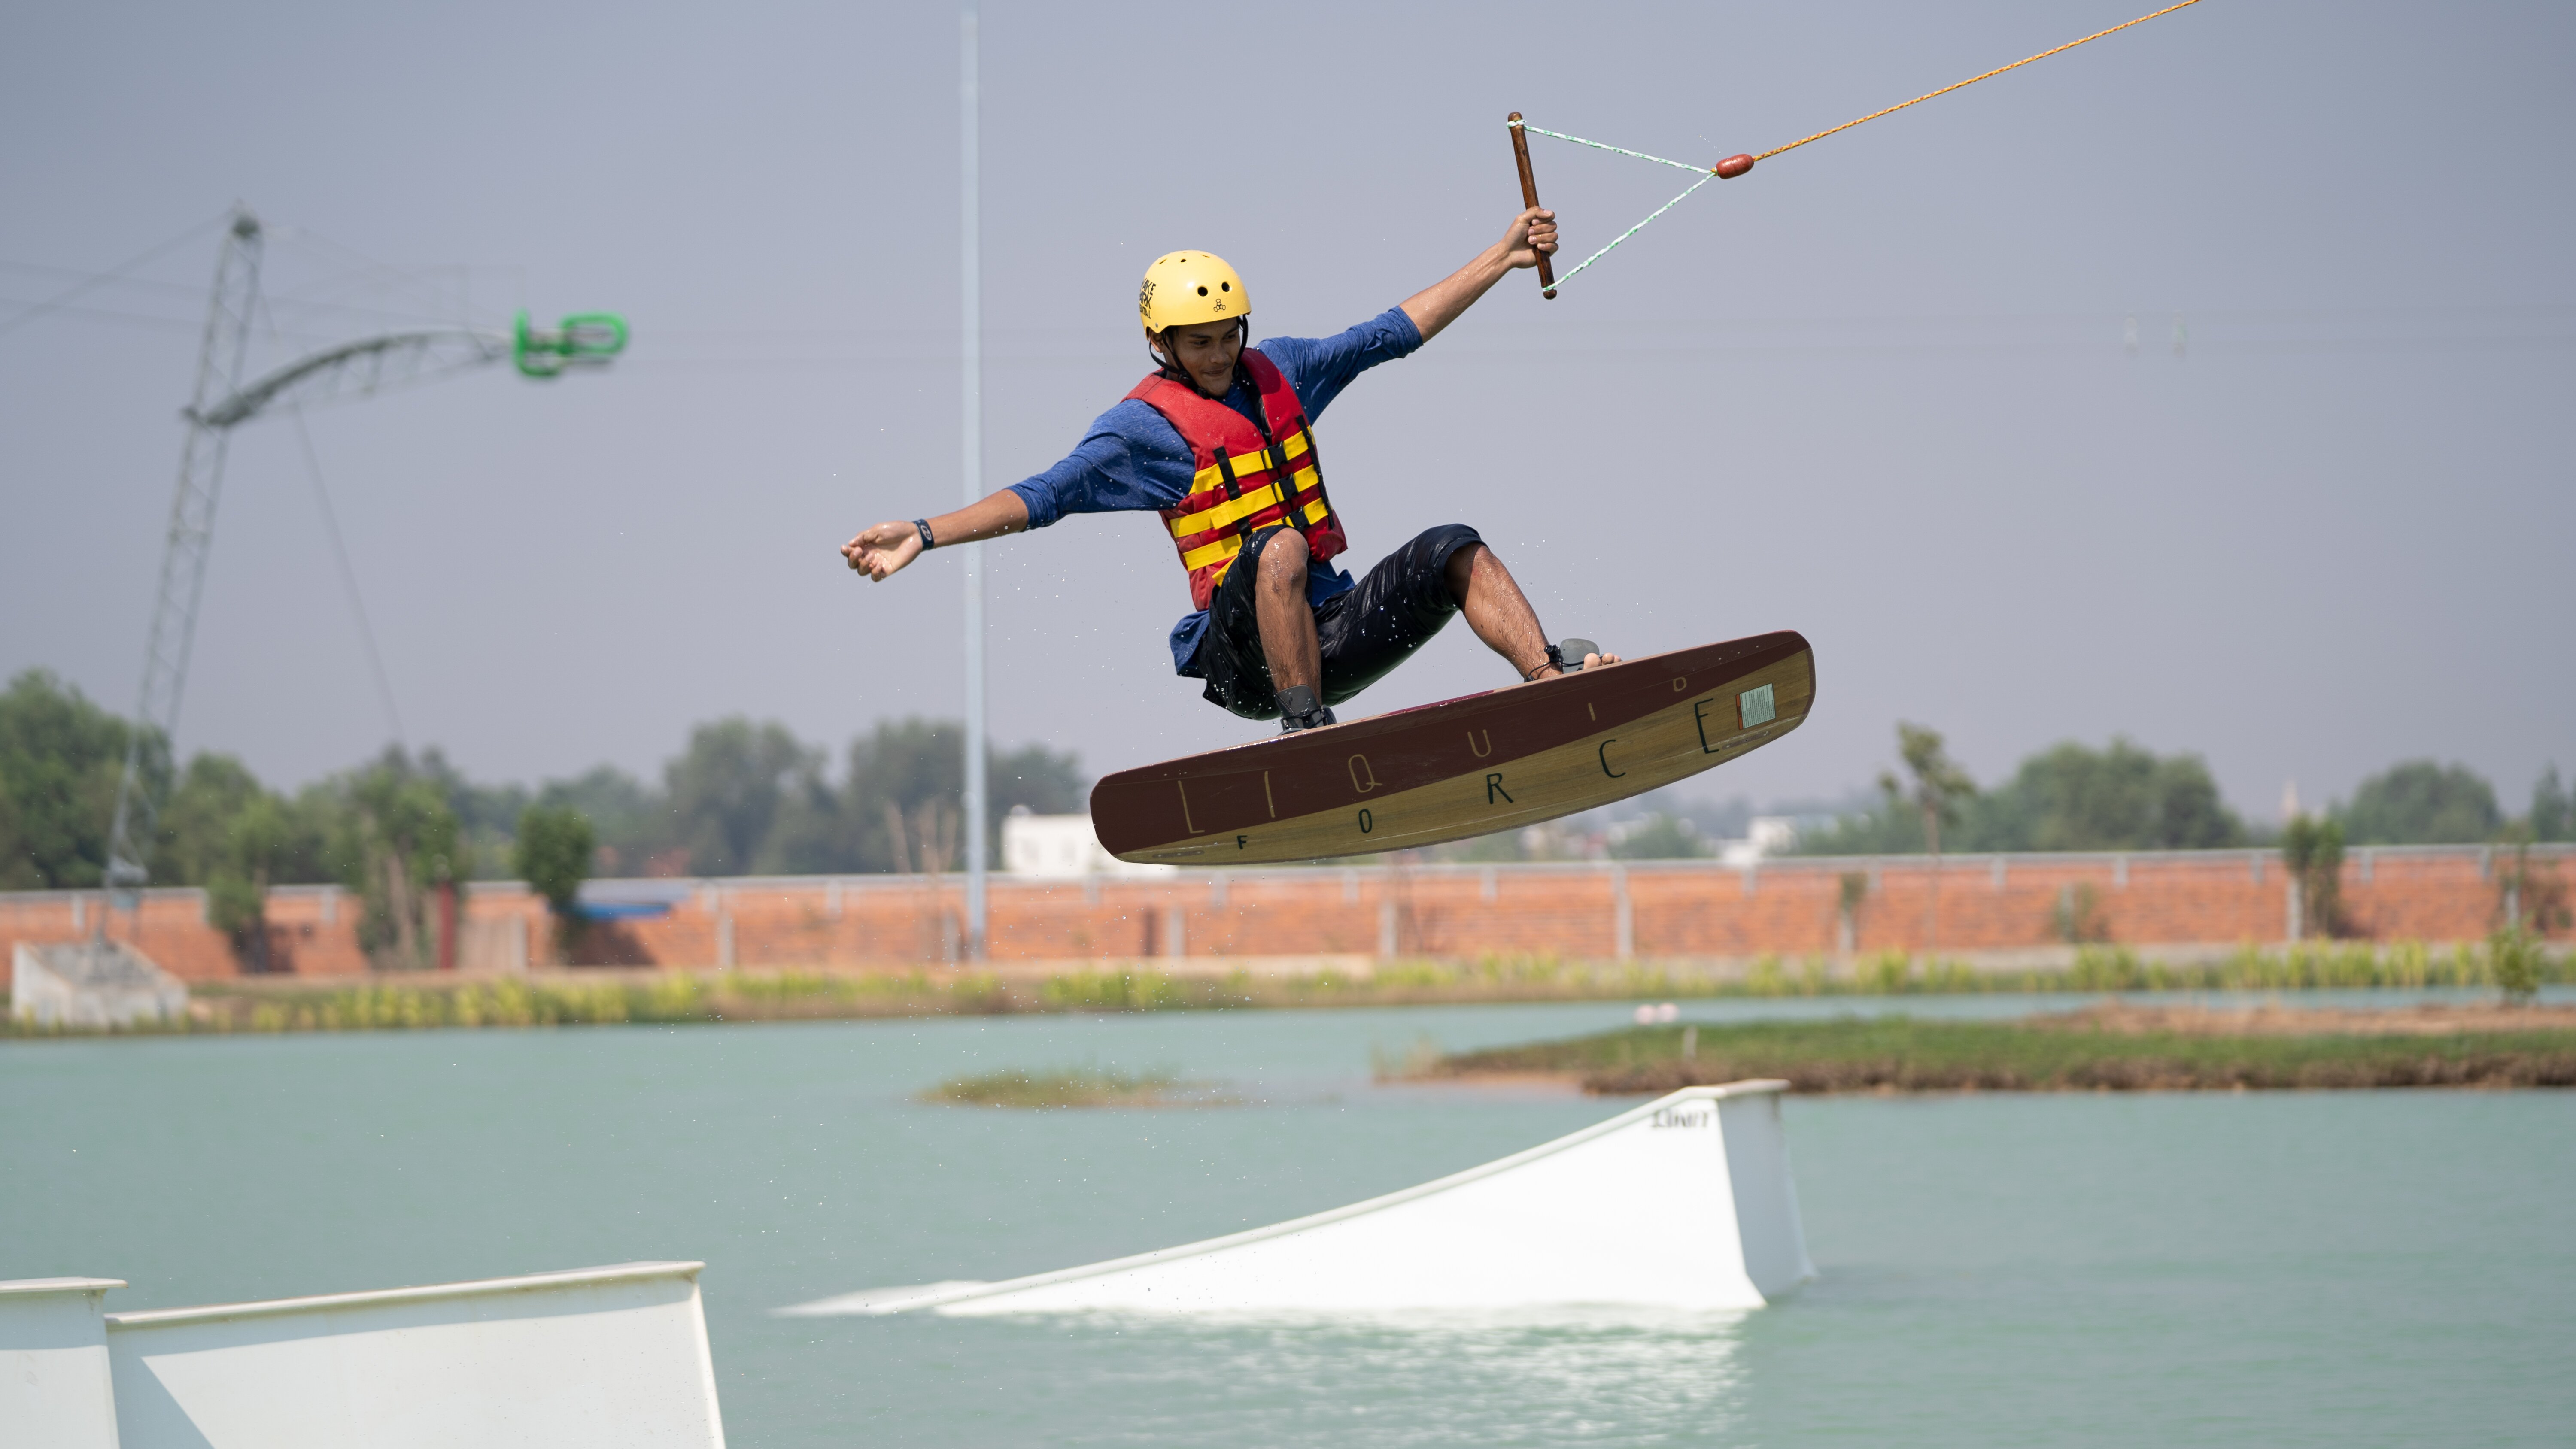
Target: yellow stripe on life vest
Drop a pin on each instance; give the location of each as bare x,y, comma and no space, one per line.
1212,477
1217,552
1261,495
1234,510
1227,545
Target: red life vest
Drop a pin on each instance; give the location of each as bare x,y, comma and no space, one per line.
1249,478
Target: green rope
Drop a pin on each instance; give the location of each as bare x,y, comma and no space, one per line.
1632,231
1605,146
1706,176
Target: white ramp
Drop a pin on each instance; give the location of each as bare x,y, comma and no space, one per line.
91,985
54,1387
1685,1202
596,1358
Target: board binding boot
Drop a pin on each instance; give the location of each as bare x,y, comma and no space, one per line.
1567,657
1299,709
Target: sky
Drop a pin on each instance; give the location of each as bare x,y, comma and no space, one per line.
1882,390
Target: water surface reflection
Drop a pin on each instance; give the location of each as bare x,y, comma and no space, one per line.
1586,1376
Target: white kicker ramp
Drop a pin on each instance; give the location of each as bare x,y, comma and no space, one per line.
610,1357
54,1385
1685,1202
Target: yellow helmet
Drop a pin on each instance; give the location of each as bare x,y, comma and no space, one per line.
1183,289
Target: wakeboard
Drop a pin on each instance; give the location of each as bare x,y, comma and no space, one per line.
1463,767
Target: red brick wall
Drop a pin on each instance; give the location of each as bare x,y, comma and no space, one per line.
1678,909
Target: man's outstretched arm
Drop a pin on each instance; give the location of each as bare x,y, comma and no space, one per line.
1531,233
883,550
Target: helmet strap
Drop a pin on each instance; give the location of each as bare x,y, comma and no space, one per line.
1167,358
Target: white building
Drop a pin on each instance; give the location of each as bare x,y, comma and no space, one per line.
1062,847
1765,835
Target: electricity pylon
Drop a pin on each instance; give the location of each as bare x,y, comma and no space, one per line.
219,403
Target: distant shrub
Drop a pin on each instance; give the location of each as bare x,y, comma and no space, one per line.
1071,1087
553,856
2514,959
2422,803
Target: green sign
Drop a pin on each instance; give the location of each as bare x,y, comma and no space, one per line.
584,339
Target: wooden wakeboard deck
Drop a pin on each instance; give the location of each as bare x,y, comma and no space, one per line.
1463,767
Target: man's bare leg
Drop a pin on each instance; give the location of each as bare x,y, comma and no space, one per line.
1287,621
1499,613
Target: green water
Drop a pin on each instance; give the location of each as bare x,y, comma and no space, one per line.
2358,1268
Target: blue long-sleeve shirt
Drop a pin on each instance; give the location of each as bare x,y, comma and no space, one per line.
1133,459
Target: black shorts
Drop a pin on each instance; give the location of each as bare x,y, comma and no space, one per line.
1362,632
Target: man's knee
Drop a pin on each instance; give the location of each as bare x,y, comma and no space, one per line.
1283,559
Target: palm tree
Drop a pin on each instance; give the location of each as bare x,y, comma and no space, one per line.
1939,787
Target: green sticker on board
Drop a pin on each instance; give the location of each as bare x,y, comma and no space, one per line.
1755,706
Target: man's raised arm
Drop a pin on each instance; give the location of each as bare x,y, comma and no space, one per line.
882,551
1531,233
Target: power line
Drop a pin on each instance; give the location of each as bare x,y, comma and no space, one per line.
436,309
359,269
349,578
340,556
78,274
71,312
154,254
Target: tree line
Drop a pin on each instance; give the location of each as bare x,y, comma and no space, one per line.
742,797
2073,797
745,797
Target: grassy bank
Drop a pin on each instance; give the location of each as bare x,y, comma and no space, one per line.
399,1005
2400,966
1074,1087
2109,1050
402,1004
409,1002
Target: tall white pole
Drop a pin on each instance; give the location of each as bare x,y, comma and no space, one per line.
972,266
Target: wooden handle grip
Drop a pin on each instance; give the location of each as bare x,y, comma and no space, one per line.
1529,199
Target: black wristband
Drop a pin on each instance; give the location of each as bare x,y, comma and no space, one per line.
927,542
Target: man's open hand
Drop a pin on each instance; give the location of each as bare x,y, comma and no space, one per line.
1531,233
881,552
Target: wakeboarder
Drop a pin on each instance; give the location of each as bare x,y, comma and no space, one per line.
1219,440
